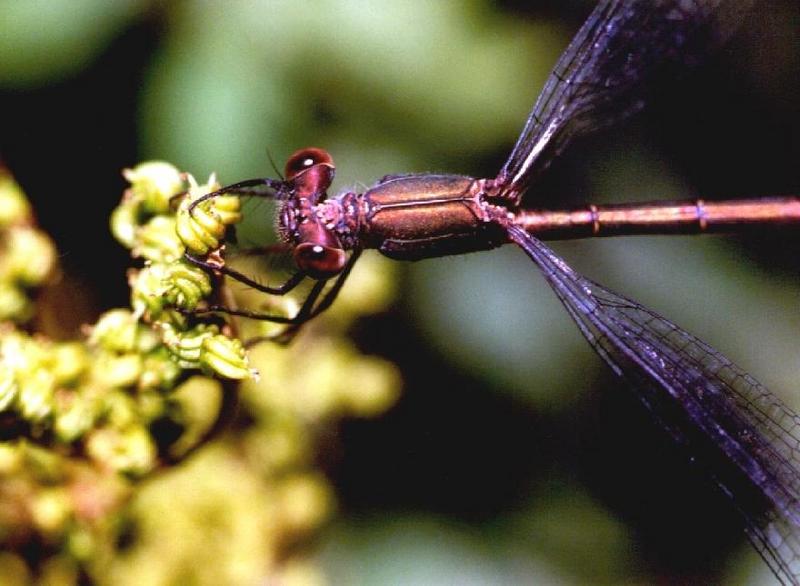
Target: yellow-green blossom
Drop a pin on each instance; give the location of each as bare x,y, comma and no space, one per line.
154,184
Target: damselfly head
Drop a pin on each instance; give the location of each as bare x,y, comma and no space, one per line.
318,252
317,249
310,172
306,158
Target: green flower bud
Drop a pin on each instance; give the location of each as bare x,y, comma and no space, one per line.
130,451
29,256
185,347
377,389
78,418
70,361
229,208
185,285
113,370
81,543
205,348
124,223
173,318
51,510
154,183
157,240
14,304
280,445
119,409
158,371
147,339
116,330
226,357
147,290
203,229
150,296
46,465
304,501
36,394
150,405
22,354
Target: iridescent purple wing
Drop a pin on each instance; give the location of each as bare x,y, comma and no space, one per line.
603,74
738,432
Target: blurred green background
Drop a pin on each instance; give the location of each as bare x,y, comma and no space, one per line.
513,456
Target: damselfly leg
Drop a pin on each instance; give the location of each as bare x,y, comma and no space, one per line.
290,284
316,301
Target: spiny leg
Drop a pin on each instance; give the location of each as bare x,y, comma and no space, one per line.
330,296
307,311
301,317
309,308
263,250
244,188
286,335
282,289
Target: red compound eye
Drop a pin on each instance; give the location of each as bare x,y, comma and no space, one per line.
318,260
305,159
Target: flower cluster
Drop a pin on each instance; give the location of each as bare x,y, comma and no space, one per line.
85,420
98,399
155,222
27,255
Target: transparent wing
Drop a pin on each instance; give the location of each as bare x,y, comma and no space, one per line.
741,434
603,74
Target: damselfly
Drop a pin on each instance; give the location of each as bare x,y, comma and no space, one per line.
748,439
